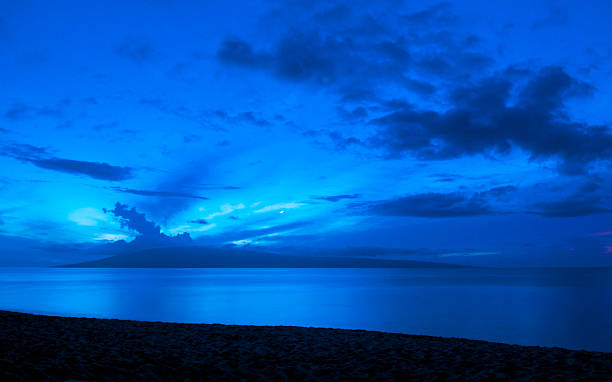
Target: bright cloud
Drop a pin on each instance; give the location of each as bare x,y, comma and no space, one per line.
225,209
110,237
280,206
87,216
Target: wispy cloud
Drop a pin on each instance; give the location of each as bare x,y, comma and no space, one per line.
163,194
605,233
336,198
87,216
279,206
225,209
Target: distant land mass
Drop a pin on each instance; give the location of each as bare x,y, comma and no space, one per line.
205,257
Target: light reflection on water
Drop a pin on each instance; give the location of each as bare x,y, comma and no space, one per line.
570,308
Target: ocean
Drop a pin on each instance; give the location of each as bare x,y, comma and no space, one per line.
570,308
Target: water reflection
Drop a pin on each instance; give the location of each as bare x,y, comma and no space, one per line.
568,308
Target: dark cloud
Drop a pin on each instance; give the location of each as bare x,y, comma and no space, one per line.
199,221
336,198
483,119
22,151
333,15
245,116
97,170
135,50
429,205
149,232
203,186
191,138
330,60
52,112
338,141
106,126
572,206
18,111
183,112
161,194
250,117
357,114
32,58
240,53
302,56
439,13
498,192
134,220
39,157
588,198
556,16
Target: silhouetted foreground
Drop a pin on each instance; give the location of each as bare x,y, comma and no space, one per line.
34,347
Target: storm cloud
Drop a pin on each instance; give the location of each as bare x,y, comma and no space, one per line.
483,120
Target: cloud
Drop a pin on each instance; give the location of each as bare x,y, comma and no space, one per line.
253,235
199,221
96,170
338,140
237,52
483,120
110,237
557,16
279,206
571,207
226,209
87,216
439,13
39,157
357,54
249,116
587,198
149,232
336,198
498,192
429,205
484,113
246,116
19,110
604,233
162,194
135,50
134,220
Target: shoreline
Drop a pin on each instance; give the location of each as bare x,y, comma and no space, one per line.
55,348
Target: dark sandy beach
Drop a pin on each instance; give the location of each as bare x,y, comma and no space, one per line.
38,348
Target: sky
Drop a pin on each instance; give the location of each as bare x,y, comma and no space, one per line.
471,132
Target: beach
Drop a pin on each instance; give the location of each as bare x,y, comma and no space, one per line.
49,348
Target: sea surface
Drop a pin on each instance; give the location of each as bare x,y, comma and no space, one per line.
570,308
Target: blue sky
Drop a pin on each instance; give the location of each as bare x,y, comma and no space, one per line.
472,131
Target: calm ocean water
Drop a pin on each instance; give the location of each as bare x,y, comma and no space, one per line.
570,308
